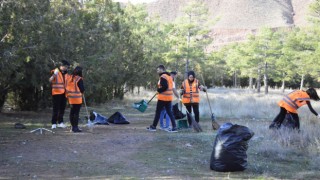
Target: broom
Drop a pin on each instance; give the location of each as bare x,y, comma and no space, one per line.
214,123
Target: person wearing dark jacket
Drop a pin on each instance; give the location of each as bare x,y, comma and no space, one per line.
165,97
75,89
290,104
59,100
165,125
190,95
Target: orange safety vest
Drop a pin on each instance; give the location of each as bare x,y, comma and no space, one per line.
73,92
168,94
292,101
191,92
57,84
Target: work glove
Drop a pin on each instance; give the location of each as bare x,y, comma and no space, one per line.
204,89
318,116
56,71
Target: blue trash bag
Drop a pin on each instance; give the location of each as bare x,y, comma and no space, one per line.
230,146
98,119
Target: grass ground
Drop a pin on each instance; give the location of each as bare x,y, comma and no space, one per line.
131,152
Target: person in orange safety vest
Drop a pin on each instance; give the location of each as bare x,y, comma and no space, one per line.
290,104
165,97
59,100
190,91
75,89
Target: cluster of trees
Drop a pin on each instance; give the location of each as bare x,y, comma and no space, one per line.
119,48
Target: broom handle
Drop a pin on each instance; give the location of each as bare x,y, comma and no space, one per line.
152,97
206,94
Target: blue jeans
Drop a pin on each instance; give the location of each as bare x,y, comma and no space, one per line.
163,115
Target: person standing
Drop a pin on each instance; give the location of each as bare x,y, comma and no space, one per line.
75,89
165,97
165,125
190,95
57,80
290,104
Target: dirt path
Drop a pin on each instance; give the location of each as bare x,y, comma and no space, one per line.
106,151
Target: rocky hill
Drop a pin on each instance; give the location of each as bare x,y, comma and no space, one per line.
238,18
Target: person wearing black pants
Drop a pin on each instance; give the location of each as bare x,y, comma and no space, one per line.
58,106
59,100
165,97
167,105
74,117
290,103
190,95
195,108
75,89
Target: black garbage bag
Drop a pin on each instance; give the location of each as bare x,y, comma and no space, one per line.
230,146
98,119
118,118
289,122
177,113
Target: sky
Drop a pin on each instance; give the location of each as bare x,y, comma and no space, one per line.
134,1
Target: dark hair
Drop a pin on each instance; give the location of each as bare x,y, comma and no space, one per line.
77,71
191,73
64,63
313,94
161,67
173,72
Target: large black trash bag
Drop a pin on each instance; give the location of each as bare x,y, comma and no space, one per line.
177,113
98,119
118,118
230,146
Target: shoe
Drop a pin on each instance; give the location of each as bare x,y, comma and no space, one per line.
76,129
164,128
53,126
61,125
151,128
173,130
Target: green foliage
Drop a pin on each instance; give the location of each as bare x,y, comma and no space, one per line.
188,37
120,46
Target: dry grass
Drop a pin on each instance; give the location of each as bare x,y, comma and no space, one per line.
131,152
283,154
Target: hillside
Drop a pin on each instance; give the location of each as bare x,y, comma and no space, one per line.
238,18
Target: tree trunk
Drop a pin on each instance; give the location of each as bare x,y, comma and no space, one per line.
266,78
235,79
119,92
283,85
301,84
259,80
250,82
188,49
222,81
28,98
3,97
